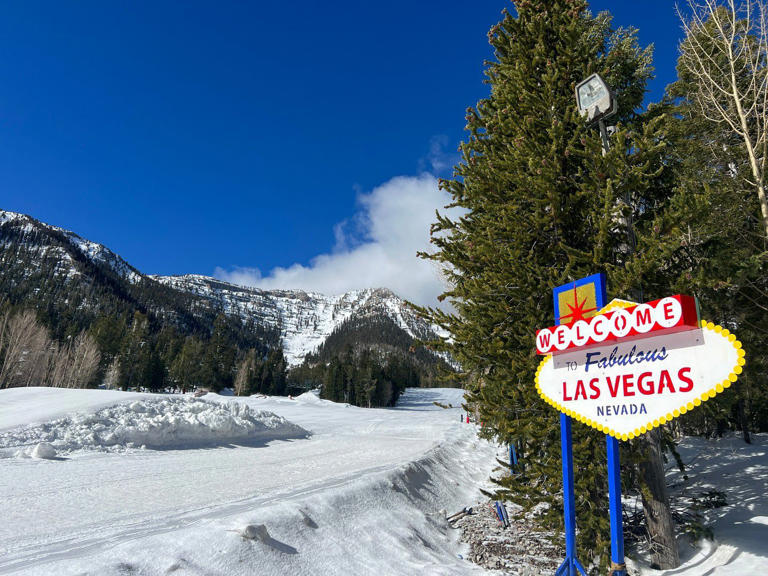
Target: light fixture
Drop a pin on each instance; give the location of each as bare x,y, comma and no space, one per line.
595,99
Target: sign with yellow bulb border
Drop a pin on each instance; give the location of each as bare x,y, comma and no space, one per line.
631,385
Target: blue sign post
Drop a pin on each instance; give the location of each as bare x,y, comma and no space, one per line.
512,458
614,507
576,301
571,563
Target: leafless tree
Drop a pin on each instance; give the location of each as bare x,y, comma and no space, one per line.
726,52
244,373
74,363
112,377
58,366
4,318
26,345
87,359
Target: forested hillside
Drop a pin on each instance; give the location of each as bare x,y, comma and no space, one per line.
147,335
66,301
369,361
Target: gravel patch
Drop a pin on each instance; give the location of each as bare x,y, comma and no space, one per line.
522,549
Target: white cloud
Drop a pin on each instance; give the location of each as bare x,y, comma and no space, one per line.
439,160
377,249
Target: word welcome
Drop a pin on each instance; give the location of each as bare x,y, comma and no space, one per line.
670,314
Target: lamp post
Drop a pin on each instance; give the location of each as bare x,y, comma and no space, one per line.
596,102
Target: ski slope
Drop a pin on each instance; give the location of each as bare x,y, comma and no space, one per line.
361,493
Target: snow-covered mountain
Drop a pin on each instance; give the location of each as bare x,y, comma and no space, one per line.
41,263
304,319
36,236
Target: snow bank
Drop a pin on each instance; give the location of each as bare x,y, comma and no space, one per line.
35,405
152,423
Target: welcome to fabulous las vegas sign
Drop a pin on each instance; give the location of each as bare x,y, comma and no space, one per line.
633,367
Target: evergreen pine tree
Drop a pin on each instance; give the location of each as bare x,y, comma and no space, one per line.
134,352
219,361
543,207
333,382
185,371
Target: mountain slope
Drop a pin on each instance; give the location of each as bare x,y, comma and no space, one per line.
305,319
71,281
65,276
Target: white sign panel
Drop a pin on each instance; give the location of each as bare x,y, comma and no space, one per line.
629,387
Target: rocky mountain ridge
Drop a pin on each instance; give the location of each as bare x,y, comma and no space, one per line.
304,319
30,227
40,254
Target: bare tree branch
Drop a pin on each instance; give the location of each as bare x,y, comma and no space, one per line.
726,52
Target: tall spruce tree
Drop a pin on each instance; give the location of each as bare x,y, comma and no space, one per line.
542,207
185,370
134,353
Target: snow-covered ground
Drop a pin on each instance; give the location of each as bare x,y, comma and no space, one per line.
740,472
361,494
230,486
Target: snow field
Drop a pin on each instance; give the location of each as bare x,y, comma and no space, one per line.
167,423
364,494
387,522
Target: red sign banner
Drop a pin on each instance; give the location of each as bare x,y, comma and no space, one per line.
670,314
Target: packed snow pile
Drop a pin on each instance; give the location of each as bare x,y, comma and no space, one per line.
166,423
313,397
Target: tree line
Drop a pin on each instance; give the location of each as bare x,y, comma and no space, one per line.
132,353
367,379
138,356
368,361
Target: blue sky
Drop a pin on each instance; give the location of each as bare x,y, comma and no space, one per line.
253,140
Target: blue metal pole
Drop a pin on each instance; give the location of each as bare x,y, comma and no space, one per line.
614,507
569,508
571,565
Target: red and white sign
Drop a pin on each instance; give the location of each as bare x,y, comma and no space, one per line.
670,314
629,386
